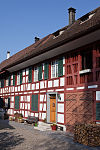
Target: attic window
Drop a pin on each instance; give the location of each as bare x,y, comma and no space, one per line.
86,18
57,33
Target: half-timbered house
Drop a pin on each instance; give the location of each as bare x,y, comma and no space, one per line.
58,77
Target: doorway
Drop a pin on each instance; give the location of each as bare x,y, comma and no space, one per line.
52,107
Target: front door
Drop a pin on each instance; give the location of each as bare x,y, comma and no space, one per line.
53,108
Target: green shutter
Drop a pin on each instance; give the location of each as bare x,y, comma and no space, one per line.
30,75
46,71
97,111
9,81
14,79
16,102
2,83
40,73
34,103
21,77
8,102
60,67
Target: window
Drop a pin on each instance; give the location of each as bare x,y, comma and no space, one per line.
54,69
34,103
7,82
16,102
87,60
36,74
18,79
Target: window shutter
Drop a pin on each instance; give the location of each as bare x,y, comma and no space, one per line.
14,79
30,75
40,73
9,81
34,103
46,71
21,77
60,67
16,102
2,83
8,102
97,111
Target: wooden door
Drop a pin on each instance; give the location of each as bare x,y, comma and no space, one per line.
53,109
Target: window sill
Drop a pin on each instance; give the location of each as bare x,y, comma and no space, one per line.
84,71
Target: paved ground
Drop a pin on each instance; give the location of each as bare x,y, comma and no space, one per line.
16,136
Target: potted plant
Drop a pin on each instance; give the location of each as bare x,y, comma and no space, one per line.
54,126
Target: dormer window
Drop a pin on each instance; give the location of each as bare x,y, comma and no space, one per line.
86,18
57,33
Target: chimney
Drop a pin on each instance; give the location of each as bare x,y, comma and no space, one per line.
8,54
72,12
36,39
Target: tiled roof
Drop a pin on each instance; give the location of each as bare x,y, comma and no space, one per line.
80,27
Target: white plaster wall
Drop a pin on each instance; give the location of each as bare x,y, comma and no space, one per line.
97,95
27,71
15,89
25,105
23,72
49,84
61,118
26,79
63,70
23,80
41,105
56,83
61,108
43,116
37,86
32,114
33,86
12,105
28,106
28,86
62,81
21,99
61,97
21,87
12,98
42,98
28,98
36,114
18,88
23,113
41,84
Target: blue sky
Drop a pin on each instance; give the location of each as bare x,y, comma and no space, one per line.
22,20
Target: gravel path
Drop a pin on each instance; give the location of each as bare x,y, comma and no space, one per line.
17,136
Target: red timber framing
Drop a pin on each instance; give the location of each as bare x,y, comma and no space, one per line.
76,90
40,88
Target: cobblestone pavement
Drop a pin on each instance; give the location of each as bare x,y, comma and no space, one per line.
17,136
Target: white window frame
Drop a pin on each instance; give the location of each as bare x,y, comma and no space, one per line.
54,69
36,72
18,79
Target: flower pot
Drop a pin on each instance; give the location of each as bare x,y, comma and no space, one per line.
54,127
35,124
